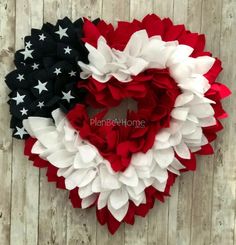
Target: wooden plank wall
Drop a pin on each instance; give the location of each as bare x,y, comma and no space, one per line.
202,207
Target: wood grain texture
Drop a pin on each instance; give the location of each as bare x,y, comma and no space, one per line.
7,30
139,235
202,207
223,229
203,179
25,178
52,202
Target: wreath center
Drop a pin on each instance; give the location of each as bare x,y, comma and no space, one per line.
118,140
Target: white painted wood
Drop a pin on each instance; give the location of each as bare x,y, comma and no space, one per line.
91,9
138,9
25,178
113,11
163,9
180,206
7,28
81,224
223,229
203,177
159,231
53,202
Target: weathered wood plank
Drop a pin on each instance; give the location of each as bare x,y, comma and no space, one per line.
179,217
172,231
112,11
140,8
53,202
201,201
163,9
56,9
180,9
52,212
158,224
91,9
138,233
81,228
25,178
203,177
223,230
7,38
158,221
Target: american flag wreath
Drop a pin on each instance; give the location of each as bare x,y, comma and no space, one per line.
121,169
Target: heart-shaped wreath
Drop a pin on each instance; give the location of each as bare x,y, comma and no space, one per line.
120,167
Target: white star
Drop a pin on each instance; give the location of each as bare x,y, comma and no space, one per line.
42,37
19,98
20,77
35,66
23,111
62,32
28,44
57,71
72,73
67,50
40,104
20,132
41,86
67,96
27,53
